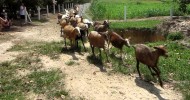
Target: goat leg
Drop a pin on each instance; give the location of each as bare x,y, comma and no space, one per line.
153,74
83,44
61,32
92,49
65,42
158,69
100,53
138,69
87,32
158,74
106,54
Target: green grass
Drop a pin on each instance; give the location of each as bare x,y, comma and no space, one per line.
101,9
135,24
70,63
47,82
51,49
14,86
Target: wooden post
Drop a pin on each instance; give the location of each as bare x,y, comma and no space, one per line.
47,11
28,16
63,9
125,13
171,12
58,7
53,8
39,13
25,13
72,5
67,5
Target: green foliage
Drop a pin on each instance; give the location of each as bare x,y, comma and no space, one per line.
175,36
98,10
114,9
135,24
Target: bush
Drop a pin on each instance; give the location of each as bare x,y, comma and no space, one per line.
175,36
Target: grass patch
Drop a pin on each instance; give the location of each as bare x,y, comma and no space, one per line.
14,87
135,24
47,82
101,9
70,63
11,86
51,49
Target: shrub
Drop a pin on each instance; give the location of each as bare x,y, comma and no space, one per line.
175,36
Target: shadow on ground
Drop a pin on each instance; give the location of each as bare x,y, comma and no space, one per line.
97,62
71,51
149,87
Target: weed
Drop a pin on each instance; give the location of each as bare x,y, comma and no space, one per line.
70,63
175,36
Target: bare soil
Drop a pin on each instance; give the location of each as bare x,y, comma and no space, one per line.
85,80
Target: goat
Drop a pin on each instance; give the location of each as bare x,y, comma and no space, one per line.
117,41
73,21
97,40
150,58
88,22
74,12
97,23
83,27
62,16
102,28
71,33
63,23
82,32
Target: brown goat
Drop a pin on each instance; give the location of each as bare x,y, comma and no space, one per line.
117,41
73,21
102,28
83,27
150,58
63,23
97,40
71,33
97,23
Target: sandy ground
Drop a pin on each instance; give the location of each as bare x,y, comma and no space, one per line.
85,80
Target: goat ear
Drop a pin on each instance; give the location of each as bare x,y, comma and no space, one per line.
156,47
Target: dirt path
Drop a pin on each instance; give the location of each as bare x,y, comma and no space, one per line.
85,80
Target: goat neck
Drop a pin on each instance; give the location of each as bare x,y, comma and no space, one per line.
155,56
